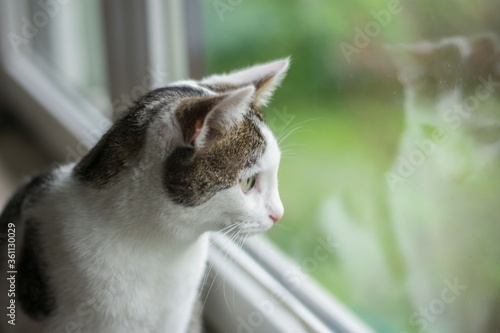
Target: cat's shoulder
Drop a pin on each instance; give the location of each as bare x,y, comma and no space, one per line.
31,191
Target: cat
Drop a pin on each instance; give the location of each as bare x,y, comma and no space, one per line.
117,242
445,183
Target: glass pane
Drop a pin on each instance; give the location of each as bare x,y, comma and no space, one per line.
68,37
391,137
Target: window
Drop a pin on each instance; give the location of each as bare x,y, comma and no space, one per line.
384,219
55,84
363,176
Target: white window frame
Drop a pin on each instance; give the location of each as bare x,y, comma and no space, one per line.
60,116
250,293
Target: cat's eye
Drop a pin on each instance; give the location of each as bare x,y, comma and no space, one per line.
248,183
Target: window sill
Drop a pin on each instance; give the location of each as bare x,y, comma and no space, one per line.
250,297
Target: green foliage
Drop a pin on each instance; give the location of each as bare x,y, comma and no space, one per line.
348,114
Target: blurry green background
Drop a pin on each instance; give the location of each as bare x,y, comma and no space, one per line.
341,117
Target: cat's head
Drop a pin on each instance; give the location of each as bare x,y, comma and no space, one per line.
452,90
200,147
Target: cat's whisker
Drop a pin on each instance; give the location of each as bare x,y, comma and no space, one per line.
286,132
219,251
208,293
226,230
292,145
293,131
239,242
287,151
282,132
290,156
289,133
292,124
208,271
240,246
225,296
233,225
232,239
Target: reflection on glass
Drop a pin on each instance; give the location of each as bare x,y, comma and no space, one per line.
391,127
445,182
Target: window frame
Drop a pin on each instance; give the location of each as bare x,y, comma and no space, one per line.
251,277
60,116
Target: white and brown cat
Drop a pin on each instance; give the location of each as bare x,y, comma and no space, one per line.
118,241
445,183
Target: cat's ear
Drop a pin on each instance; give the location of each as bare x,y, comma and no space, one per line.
437,60
204,120
264,77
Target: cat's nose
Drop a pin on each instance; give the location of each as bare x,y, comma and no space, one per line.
275,208
277,213
276,217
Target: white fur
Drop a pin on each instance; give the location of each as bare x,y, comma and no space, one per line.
129,259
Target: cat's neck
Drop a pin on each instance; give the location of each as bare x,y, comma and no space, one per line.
116,246
137,210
